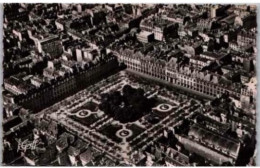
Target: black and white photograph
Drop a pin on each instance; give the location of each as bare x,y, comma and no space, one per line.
129,84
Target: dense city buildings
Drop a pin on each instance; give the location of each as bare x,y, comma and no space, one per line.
129,85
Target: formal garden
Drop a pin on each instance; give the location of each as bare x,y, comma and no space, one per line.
124,112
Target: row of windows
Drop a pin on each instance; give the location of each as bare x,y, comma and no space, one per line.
246,39
147,29
215,146
63,87
185,81
210,90
158,73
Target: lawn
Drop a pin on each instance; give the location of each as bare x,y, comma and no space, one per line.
136,131
85,121
89,106
110,132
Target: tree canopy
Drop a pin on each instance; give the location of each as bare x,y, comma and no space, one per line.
127,106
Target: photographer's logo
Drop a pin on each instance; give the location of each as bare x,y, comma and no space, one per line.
26,144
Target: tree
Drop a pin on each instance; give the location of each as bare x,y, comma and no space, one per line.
128,106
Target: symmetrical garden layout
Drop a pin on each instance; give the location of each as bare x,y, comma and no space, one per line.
80,114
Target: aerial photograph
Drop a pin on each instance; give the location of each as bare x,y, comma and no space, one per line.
129,84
